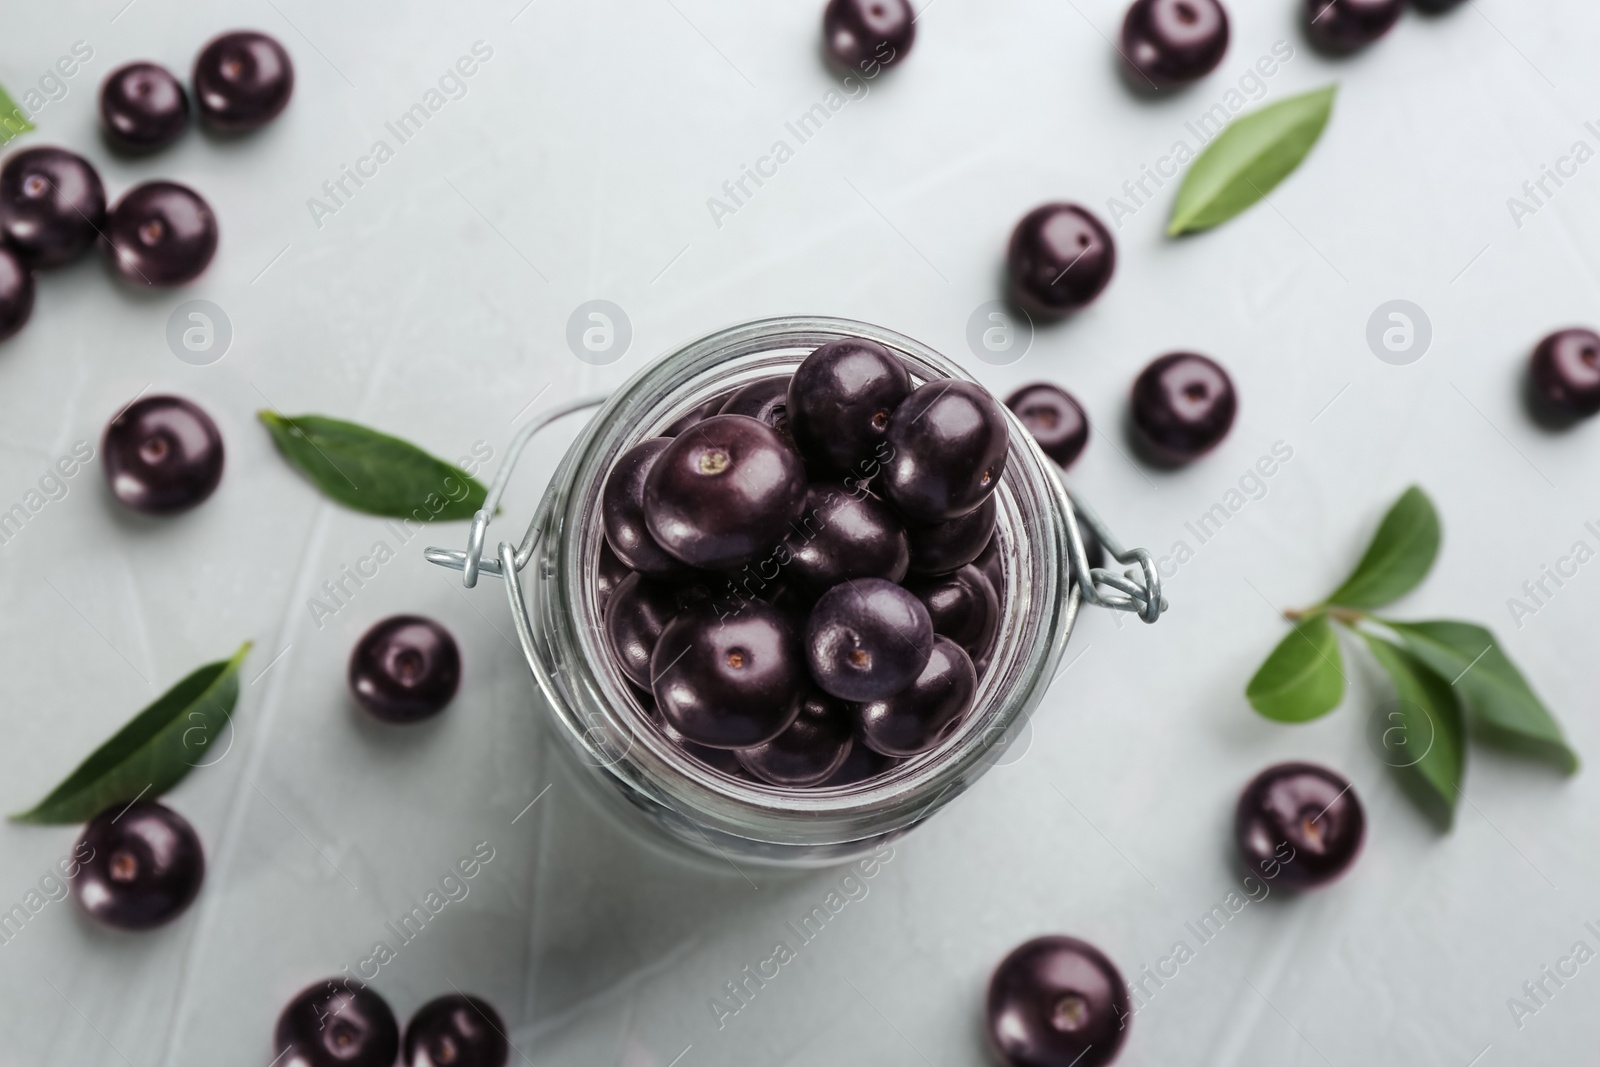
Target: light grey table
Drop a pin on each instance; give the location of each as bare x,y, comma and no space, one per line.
578,165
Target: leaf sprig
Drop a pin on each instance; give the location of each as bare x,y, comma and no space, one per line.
153,752
1448,676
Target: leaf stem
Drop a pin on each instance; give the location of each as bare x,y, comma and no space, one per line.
1348,616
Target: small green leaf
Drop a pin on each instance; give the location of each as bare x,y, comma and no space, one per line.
1399,557
1303,678
1249,158
13,120
153,752
1431,750
373,472
1504,706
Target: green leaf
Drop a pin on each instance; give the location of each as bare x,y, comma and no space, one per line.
1303,678
1399,557
152,753
373,472
1503,705
13,120
1423,737
1248,159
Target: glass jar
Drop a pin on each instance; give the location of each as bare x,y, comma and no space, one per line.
651,785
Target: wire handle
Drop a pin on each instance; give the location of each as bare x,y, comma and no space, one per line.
1138,589
471,562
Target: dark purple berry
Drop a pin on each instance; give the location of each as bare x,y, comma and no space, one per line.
963,607
697,414
1299,824
161,233
842,535
953,544
143,107
456,1031
861,765
1183,406
1342,26
144,866
639,610
1057,1002
1055,420
950,442
867,639
52,206
1060,259
840,400
337,1023
623,515
724,492
1565,373
1167,43
610,572
405,669
163,455
862,34
242,80
921,716
993,568
16,293
729,680
810,751
765,400
724,760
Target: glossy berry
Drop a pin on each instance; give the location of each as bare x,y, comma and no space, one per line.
622,511
143,107
951,545
336,1023
963,607
52,206
840,400
1057,1002
161,233
729,679
724,492
162,455
867,639
725,760
144,868
950,441
639,610
810,751
861,765
242,81
1299,824
456,1031
842,535
610,572
405,669
16,293
861,35
1167,43
1342,26
924,714
765,400
1183,406
697,414
1060,259
1055,420
1566,374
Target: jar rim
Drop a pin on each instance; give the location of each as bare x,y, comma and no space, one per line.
605,723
